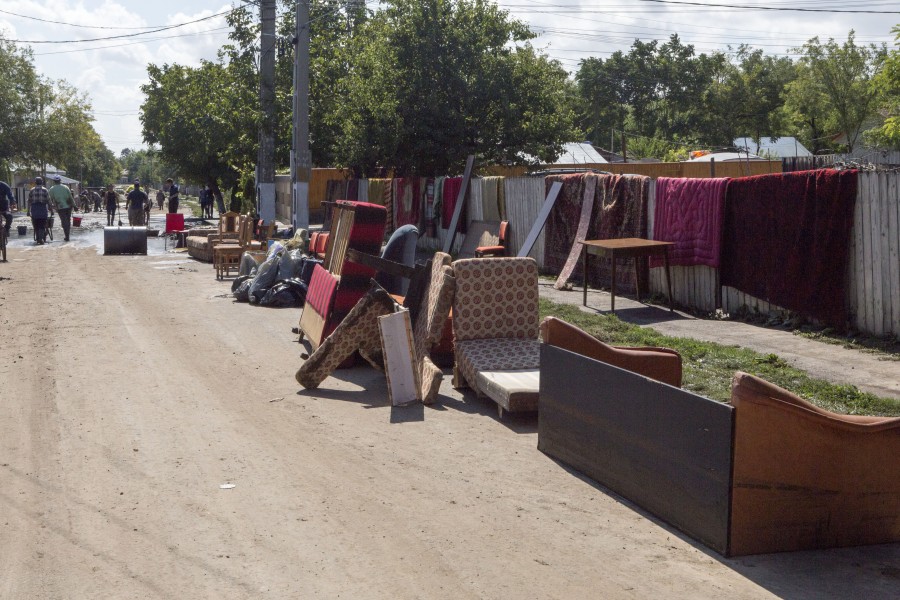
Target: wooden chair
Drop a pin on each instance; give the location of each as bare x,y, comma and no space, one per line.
227,255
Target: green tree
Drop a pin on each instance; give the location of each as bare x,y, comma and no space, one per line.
17,102
844,73
431,81
887,86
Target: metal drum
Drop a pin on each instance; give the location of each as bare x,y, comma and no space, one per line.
124,240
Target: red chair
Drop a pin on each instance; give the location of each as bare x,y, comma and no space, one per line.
502,246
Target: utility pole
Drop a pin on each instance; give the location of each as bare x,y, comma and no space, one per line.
265,162
301,159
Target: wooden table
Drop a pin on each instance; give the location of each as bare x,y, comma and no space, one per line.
625,248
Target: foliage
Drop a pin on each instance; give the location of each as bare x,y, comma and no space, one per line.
432,81
146,165
708,367
887,86
44,121
674,98
841,75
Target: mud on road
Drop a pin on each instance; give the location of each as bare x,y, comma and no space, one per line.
132,388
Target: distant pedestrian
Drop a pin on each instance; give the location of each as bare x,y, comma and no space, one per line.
111,198
173,195
160,199
64,202
39,209
98,201
6,201
135,202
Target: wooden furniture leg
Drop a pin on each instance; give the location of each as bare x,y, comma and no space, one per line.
668,279
613,288
584,259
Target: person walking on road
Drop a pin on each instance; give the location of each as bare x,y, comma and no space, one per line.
135,202
97,200
39,209
6,201
173,195
64,201
160,199
111,198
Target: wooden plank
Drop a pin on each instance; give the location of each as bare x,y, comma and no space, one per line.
864,198
587,209
893,198
541,219
859,263
875,232
667,450
884,244
399,361
460,199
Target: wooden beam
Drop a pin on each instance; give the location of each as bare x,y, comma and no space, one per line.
525,250
460,202
380,264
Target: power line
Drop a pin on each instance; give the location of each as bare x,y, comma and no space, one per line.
143,41
777,8
21,16
124,35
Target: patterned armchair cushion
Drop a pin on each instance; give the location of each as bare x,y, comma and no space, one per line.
320,296
495,298
507,370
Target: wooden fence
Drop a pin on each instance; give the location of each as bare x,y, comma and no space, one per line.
873,290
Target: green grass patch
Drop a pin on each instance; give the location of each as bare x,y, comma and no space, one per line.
708,367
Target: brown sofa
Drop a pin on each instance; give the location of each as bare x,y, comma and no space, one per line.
200,245
768,472
807,478
661,364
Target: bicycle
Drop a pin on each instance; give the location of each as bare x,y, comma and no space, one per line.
48,230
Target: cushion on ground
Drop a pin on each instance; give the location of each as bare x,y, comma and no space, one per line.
475,357
515,390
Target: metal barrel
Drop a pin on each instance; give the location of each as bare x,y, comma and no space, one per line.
124,240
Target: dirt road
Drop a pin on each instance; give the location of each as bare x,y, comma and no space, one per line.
131,388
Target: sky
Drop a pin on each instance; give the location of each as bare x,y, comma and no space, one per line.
112,71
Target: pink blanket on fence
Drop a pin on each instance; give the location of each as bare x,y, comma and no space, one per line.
689,212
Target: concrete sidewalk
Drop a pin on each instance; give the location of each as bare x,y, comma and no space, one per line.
869,372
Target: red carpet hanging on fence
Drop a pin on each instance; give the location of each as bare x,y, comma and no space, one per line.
407,200
448,203
689,212
786,240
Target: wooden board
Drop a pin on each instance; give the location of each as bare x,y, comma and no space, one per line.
460,202
667,450
399,358
587,209
541,220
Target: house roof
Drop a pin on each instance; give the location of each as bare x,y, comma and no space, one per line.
726,157
783,147
577,153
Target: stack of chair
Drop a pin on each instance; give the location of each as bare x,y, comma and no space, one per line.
339,283
431,295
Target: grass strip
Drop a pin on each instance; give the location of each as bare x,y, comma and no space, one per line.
708,367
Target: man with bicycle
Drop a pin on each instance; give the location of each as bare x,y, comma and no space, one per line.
39,209
6,200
